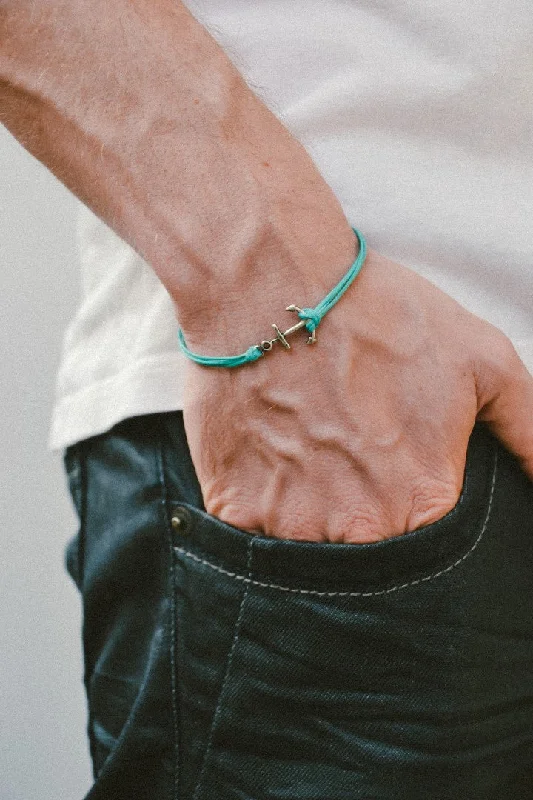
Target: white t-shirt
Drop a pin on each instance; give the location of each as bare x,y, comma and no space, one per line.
418,114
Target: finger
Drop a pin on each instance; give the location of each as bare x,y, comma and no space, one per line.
505,397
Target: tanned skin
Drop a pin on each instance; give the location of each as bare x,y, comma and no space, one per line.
139,112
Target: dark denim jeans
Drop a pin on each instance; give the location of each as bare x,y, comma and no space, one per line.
225,666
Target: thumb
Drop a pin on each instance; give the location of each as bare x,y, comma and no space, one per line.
505,399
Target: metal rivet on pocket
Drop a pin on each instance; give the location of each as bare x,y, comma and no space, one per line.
181,519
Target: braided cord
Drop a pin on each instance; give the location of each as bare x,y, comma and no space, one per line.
312,317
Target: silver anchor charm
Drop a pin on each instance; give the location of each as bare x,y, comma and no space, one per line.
312,337
281,336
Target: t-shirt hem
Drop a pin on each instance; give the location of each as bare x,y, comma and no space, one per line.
152,385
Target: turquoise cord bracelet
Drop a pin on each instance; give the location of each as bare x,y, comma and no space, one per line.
310,318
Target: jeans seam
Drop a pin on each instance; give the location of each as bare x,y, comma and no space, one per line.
226,678
74,455
172,622
265,585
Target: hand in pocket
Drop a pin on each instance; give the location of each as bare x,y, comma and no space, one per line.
362,436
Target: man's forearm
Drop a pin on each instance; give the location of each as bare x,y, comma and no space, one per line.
137,109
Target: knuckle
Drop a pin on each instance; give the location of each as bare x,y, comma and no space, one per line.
235,514
501,352
364,523
507,355
497,361
430,501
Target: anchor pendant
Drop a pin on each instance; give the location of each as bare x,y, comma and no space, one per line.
281,336
312,337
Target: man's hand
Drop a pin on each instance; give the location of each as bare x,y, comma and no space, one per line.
363,435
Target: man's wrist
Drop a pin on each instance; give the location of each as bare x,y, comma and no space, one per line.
158,133
227,317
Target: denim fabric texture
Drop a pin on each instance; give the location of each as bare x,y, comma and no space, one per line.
225,666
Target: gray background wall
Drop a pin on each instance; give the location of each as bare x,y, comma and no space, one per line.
43,752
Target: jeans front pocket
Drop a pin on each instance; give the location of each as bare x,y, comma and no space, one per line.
414,694
370,569
392,671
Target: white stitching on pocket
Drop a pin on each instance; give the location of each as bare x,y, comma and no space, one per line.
316,593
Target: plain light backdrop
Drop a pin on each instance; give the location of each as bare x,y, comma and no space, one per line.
43,750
